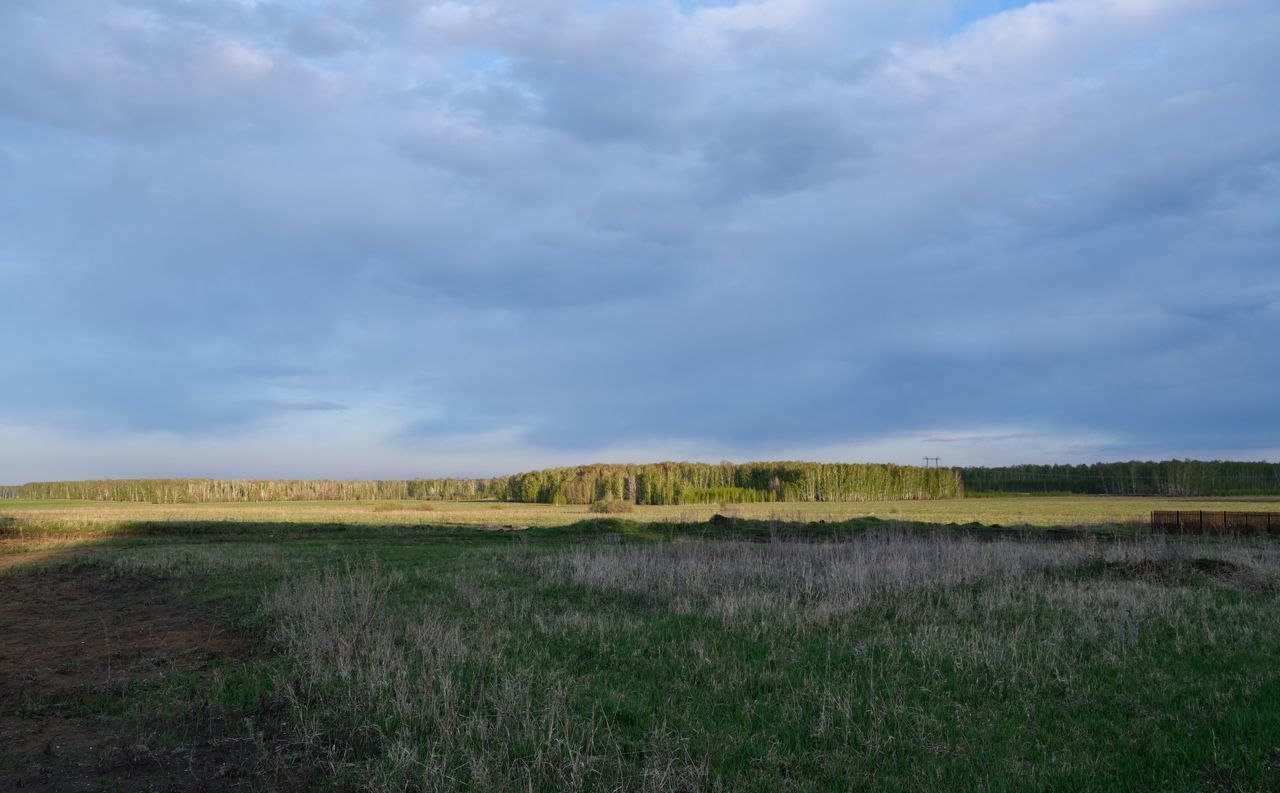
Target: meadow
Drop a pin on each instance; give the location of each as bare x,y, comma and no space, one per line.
378,647
1040,511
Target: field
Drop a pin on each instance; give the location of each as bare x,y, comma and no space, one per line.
1011,511
360,646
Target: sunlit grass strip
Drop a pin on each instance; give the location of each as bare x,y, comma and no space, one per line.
1064,511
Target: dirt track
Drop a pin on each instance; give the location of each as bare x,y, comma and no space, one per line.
14,561
69,638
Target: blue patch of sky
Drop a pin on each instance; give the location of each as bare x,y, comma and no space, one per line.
965,12
969,11
478,60
690,5
685,5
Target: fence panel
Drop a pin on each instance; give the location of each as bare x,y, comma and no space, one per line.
1215,522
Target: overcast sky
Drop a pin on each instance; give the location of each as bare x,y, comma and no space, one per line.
408,238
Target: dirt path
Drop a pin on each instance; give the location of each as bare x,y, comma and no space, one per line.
74,644
14,561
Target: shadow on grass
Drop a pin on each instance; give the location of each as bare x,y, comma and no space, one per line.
234,530
28,542
728,528
718,528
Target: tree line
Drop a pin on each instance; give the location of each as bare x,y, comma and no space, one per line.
704,483
186,491
1171,478
658,483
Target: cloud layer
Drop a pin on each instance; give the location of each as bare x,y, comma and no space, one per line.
468,237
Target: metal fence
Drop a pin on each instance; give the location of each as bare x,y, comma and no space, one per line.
1206,522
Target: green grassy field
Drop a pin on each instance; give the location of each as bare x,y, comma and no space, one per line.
645,654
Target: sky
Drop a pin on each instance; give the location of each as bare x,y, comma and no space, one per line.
398,238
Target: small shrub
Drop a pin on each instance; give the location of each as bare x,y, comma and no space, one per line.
612,507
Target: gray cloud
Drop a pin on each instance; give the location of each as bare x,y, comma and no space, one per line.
746,228
324,36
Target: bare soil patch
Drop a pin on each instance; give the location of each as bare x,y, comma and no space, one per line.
71,640
16,561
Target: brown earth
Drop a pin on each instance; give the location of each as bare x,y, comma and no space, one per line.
16,561
79,644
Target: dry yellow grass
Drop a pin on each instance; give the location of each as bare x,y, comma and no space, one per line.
1012,511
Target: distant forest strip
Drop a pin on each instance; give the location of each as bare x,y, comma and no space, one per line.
187,491
703,483
1171,478
658,483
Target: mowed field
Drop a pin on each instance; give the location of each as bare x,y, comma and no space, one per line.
381,647
1010,511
